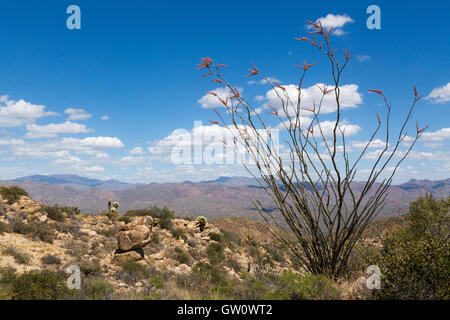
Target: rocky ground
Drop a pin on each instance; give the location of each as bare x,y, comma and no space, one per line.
141,258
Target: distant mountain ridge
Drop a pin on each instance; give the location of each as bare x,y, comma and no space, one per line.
77,182
225,196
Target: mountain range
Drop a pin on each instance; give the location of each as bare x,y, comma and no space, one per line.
225,196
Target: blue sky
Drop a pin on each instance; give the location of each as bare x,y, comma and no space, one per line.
104,101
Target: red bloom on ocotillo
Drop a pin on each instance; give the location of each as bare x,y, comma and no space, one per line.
376,91
253,72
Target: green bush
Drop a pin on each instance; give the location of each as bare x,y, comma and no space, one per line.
178,233
181,256
215,253
216,237
90,268
291,286
136,269
55,213
98,289
20,257
5,228
31,285
210,273
12,194
126,219
415,260
50,260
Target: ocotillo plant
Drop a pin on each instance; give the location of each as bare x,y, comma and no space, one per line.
312,181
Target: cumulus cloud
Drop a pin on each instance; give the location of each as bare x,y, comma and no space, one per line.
53,129
334,21
92,143
376,143
328,128
17,113
105,117
131,161
77,114
137,150
349,97
210,101
438,135
440,95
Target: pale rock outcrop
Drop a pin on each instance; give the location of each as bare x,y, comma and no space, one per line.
132,238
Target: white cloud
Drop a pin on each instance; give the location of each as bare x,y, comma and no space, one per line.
131,161
17,113
376,143
92,143
328,127
334,21
440,95
77,114
53,129
105,117
439,135
264,81
349,97
362,58
11,142
137,150
211,101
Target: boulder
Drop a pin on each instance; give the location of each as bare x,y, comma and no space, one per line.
134,237
130,256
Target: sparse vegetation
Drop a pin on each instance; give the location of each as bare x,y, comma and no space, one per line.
31,285
98,289
19,256
50,259
12,193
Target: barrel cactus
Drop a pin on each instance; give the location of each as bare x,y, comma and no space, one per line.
201,223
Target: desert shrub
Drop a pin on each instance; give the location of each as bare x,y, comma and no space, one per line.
291,286
181,256
155,238
414,268
136,269
216,237
13,193
164,215
19,256
5,228
21,227
233,264
90,268
415,260
231,237
427,214
275,252
215,253
178,233
361,257
156,282
50,260
32,285
42,232
98,289
124,218
209,273
55,213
